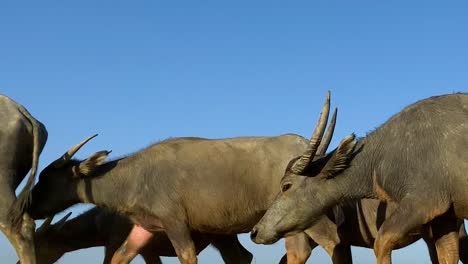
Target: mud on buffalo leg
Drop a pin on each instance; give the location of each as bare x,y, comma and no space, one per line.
22,239
136,240
110,251
412,213
179,235
441,237
298,249
445,232
231,249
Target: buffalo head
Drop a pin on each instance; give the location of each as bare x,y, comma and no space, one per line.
58,188
308,186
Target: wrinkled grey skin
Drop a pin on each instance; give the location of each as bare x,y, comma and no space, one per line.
220,186
418,159
100,227
357,224
22,139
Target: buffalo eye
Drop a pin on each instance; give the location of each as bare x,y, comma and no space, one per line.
286,187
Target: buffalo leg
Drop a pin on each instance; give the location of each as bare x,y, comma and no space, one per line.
152,259
445,232
137,239
462,242
110,250
22,239
407,217
298,249
108,254
231,249
325,233
426,234
179,234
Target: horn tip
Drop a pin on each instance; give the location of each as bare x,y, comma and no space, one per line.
63,219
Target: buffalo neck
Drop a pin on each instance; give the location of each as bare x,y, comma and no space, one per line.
107,187
356,181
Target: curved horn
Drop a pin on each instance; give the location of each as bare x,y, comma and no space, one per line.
328,135
62,221
67,156
314,141
46,224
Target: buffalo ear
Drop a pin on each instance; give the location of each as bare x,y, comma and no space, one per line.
340,158
87,166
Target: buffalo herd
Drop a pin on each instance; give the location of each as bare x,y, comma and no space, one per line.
403,181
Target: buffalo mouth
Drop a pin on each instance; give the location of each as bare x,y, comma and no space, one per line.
258,236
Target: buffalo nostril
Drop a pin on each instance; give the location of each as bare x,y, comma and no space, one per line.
253,234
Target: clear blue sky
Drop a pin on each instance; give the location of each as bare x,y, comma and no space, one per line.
140,71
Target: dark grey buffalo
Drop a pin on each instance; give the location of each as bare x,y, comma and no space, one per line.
22,138
220,186
101,227
417,159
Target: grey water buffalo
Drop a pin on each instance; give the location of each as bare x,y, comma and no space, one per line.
101,227
417,159
356,223
219,186
22,139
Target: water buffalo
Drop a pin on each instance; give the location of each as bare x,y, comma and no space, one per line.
417,159
101,227
177,185
22,139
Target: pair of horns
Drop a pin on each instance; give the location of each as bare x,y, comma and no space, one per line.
47,223
69,154
319,142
